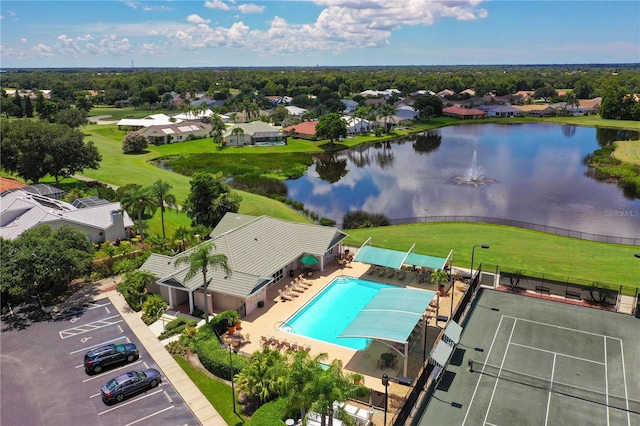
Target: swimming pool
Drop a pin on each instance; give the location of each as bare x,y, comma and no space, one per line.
327,315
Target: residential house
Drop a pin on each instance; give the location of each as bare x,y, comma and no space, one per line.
375,102
209,102
464,113
9,185
150,120
280,100
387,93
444,93
349,105
537,110
469,92
175,132
302,130
357,125
99,219
525,94
295,112
500,111
261,252
254,133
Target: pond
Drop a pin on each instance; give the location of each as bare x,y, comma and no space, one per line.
525,172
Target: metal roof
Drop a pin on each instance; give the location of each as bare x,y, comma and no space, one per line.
453,332
256,247
391,315
441,353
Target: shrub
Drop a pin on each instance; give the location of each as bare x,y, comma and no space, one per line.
198,313
152,306
176,348
176,326
215,358
361,219
269,414
134,143
124,265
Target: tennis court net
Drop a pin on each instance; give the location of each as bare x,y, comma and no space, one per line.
612,401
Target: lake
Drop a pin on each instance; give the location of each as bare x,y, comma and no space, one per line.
531,173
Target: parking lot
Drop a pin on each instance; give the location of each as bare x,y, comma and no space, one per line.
43,380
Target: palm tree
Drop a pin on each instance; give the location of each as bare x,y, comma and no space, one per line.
302,370
237,131
200,260
217,128
439,277
132,287
138,201
182,233
160,190
387,111
262,377
328,387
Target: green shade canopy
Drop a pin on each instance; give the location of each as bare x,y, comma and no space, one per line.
390,315
395,259
309,261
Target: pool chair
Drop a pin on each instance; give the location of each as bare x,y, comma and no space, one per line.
391,274
283,296
381,272
266,341
285,345
291,290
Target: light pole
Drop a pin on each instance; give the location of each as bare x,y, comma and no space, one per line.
473,250
405,381
233,388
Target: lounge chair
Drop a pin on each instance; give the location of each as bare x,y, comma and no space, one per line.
381,272
293,290
266,341
275,342
392,272
285,345
283,296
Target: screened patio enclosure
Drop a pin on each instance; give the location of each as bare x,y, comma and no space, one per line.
391,316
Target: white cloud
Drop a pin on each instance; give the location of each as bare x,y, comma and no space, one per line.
23,40
196,19
250,8
216,4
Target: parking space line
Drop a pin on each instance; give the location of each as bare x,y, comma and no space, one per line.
91,326
150,415
168,397
129,402
76,310
97,345
110,371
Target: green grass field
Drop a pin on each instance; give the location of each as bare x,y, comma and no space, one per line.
511,247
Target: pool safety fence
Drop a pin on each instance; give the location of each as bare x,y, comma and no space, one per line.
582,393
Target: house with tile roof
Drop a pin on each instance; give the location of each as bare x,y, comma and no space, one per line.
21,210
302,130
175,132
296,112
261,251
536,110
500,111
464,113
254,133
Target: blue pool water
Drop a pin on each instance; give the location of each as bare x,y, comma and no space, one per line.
327,315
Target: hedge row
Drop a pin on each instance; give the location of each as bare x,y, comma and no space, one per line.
215,358
269,413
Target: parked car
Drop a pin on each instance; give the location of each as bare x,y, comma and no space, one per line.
106,356
115,390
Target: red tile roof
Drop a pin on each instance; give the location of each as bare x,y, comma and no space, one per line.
303,128
6,183
463,111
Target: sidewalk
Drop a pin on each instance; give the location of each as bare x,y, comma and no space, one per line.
196,401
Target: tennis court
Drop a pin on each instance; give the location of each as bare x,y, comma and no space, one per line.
535,362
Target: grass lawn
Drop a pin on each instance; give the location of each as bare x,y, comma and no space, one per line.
512,248
628,152
218,393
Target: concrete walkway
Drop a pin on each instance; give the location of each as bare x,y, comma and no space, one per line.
203,410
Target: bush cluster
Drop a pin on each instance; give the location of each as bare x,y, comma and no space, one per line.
216,358
176,326
361,219
270,413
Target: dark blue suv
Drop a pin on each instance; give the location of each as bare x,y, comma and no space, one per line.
106,356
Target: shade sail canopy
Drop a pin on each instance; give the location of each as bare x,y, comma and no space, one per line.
432,262
381,257
395,259
309,261
453,332
390,315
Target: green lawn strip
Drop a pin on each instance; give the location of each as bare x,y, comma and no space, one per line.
217,392
511,248
628,152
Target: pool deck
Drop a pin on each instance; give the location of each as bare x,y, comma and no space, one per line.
266,322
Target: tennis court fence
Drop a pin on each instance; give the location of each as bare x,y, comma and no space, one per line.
582,393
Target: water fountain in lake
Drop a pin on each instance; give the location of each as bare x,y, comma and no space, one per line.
474,175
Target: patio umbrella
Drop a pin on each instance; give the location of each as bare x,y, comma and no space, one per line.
309,261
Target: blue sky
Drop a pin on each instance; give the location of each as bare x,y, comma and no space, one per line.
211,33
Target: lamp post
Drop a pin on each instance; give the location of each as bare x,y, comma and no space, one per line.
473,250
405,381
233,388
